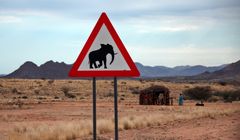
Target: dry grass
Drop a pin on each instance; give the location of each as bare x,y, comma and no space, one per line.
39,117
72,130
61,131
46,90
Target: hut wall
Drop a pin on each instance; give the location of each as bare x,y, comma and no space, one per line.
151,95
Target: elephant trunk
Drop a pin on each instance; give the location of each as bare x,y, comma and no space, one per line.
112,54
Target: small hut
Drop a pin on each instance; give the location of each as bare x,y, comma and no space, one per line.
154,95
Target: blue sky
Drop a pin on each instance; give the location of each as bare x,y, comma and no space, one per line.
155,32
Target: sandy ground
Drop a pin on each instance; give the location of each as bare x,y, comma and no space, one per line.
41,107
219,128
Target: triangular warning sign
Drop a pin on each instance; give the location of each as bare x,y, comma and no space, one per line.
104,54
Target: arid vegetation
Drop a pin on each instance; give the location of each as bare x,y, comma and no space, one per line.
62,109
73,130
51,90
207,94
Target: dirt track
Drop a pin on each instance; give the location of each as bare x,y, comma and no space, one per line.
220,128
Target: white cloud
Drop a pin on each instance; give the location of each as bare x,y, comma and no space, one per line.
186,54
23,12
224,13
156,24
10,19
166,28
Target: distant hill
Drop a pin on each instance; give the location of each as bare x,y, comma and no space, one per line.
50,69
230,72
56,70
162,71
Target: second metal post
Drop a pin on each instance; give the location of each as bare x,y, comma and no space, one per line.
94,110
116,108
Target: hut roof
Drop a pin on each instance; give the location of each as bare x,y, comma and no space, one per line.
155,89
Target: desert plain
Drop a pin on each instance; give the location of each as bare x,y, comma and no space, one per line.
45,109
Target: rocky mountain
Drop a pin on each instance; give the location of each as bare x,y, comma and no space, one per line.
56,70
162,71
50,69
230,72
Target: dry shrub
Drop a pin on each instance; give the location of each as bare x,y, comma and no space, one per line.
14,90
37,92
109,94
105,126
66,90
61,131
134,90
214,99
50,82
73,130
222,83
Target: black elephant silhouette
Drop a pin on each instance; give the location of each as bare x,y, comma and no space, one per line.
100,56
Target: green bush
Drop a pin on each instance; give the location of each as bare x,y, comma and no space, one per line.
229,96
198,93
205,93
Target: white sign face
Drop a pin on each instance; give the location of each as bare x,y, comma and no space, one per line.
103,54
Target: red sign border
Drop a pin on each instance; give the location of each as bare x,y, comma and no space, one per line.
133,72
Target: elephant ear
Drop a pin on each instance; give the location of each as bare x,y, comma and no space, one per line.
109,46
102,45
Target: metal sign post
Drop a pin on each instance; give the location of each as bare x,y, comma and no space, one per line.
116,108
93,62
94,110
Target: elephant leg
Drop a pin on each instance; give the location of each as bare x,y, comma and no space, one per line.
104,62
100,64
95,65
91,67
